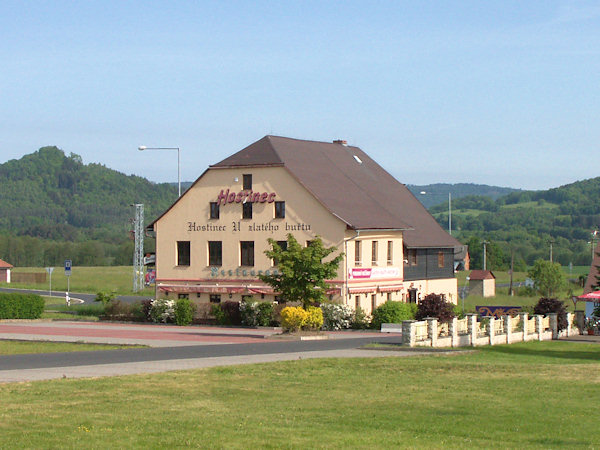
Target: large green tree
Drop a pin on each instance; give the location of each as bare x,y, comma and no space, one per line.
548,277
301,271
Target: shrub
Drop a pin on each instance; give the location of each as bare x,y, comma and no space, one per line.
336,317
392,312
256,314
552,305
184,311
232,312
117,310
219,314
82,310
458,312
163,310
314,318
146,308
249,312
104,297
265,314
21,306
360,319
292,318
435,305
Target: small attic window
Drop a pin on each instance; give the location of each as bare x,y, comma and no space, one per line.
358,160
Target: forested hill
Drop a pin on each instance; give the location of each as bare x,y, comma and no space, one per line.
528,221
435,194
51,196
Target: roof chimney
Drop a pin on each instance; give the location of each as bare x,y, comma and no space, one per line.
341,141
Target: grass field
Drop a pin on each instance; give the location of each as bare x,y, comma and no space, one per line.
532,395
117,279
23,347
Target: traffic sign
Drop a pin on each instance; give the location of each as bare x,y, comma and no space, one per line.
68,267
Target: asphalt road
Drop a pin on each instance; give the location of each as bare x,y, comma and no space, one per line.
72,359
86,298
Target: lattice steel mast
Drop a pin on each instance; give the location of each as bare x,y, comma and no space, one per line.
138,251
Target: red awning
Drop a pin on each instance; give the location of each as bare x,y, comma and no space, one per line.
591,296
362,289
391,288
212,289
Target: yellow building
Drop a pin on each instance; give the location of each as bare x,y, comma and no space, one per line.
210,243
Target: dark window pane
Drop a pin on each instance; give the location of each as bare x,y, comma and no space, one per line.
247,210
215,253
215,298
247,253
183,253
247,181
279,210
214,210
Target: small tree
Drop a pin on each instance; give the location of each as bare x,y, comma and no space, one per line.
548,277
301,271
435,305
552,305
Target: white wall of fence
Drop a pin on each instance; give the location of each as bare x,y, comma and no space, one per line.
474,330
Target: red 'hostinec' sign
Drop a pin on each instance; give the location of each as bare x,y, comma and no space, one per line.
225,197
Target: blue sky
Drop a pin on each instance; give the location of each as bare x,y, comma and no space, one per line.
502,93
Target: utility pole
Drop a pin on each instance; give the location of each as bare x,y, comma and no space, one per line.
484,254
512,269
450,213
551,242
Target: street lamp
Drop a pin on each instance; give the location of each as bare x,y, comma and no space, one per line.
143,147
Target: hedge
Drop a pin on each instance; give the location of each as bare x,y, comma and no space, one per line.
21,306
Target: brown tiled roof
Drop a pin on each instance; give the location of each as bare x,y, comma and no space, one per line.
592,279
481,275
349,184
5,265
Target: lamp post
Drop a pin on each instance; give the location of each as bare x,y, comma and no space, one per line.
143,147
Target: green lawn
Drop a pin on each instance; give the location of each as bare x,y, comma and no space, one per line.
22,347
528,395
86,279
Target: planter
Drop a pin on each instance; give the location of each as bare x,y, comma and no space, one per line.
590,332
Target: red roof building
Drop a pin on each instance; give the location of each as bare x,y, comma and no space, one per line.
5,271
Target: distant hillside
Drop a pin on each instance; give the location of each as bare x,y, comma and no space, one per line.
435,194
48,195
528,221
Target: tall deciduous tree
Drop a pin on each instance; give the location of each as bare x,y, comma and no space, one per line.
548,277
301,272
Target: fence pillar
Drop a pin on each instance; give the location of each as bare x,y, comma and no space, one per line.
432,330
538,326
492,329
524,322
554,324
507,327
568,331
580,320
409,333
472,328
453,331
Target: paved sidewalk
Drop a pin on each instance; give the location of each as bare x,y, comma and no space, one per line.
150,335
128,334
